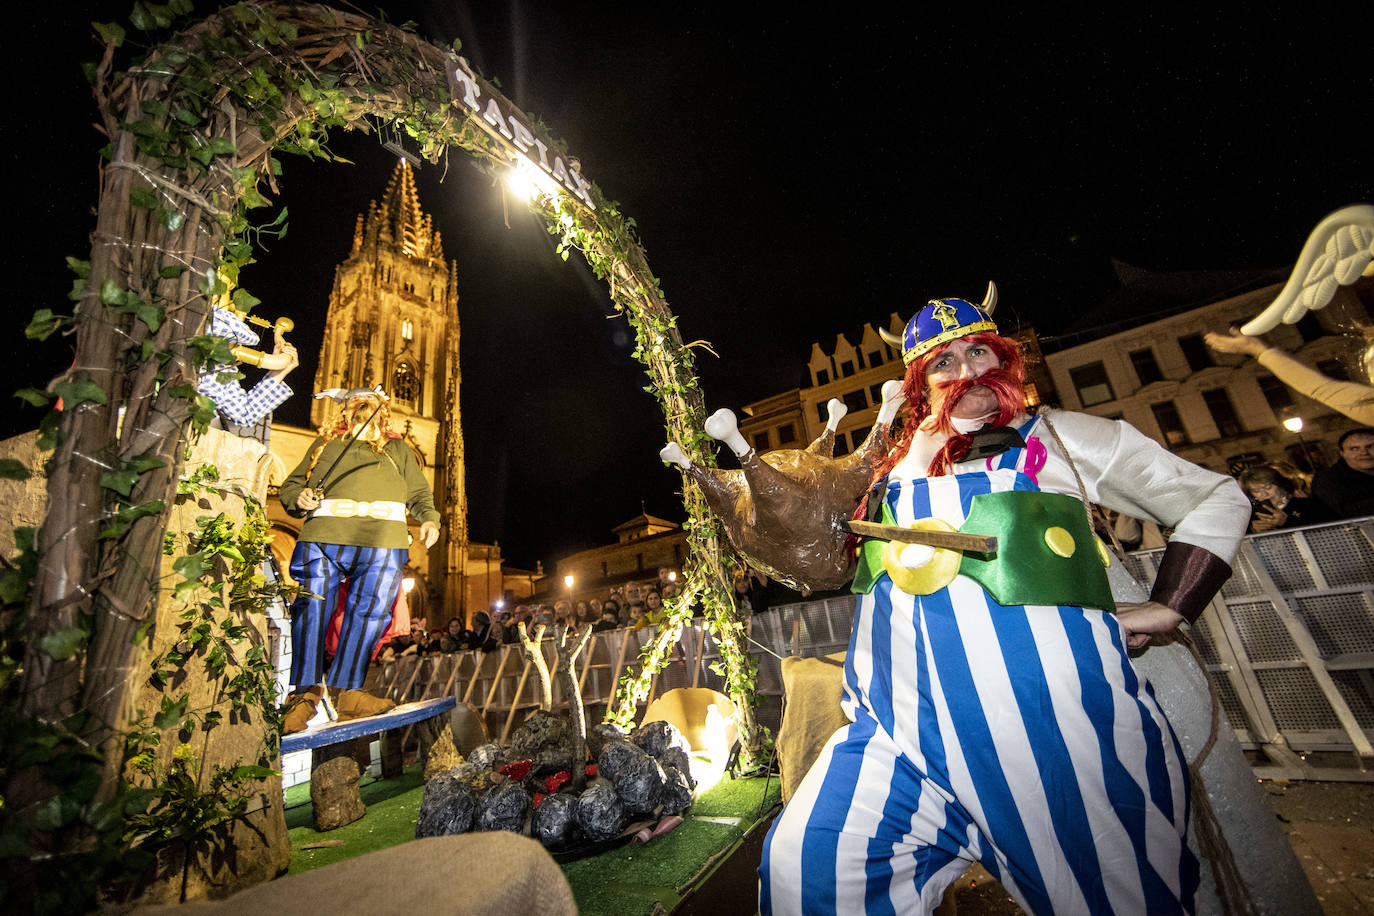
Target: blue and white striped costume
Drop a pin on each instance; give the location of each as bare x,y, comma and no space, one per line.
374,580
1018,737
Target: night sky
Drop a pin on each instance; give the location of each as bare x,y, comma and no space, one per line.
791,176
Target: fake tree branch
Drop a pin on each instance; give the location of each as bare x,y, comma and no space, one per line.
534,653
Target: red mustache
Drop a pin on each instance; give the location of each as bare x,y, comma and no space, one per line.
1003,384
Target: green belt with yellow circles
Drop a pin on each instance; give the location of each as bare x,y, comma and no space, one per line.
1046,554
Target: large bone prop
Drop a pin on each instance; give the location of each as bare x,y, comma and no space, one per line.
783,510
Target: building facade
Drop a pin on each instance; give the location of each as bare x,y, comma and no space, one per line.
1222,412
643,544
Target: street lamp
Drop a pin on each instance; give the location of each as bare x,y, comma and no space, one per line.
568,581
1294,424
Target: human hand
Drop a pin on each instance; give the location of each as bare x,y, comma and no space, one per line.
429,534
282,359
308,500
1235,342
1268,519
1142,619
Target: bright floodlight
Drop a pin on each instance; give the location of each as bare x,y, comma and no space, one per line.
1293,424
529,181
568,581
407,584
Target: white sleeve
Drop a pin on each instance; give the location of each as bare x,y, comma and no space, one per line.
1125,470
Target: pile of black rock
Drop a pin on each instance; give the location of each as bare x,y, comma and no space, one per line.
528,787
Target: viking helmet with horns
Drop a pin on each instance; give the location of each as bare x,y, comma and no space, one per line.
943,320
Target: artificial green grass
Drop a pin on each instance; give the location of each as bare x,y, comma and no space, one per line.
627,881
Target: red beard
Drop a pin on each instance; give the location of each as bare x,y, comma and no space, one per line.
1004,385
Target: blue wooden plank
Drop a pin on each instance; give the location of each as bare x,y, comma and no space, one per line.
335,732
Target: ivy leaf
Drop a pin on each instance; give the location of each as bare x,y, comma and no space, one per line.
250,771
244,300
119,481
173,271
63,644
111,33
142,197
79,267
50,431
172,219
171,712
10,469
33,396
110,293
130,514
220,146
192,566
43,323
74,393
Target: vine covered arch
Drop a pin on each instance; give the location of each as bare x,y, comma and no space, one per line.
193,127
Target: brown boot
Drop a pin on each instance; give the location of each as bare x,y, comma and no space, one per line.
356,704
300,709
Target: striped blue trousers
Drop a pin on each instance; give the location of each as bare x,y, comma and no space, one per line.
1017,737
373,575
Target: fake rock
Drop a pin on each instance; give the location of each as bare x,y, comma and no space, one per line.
640,783
504,808
656,737
600,813
449,806
555,821
677,792
334,793
614,755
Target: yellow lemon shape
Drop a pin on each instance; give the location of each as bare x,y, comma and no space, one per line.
1060,541
1104,553
918,569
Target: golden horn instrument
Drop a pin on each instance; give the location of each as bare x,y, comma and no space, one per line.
281,327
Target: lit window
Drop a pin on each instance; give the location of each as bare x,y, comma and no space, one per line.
407,330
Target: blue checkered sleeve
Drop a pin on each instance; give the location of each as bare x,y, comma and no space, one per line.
243,407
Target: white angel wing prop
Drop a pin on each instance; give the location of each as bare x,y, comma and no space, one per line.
1337,253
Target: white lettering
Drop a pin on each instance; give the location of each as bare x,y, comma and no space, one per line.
580,186
559,171
470,91
493,117
523,138
543,154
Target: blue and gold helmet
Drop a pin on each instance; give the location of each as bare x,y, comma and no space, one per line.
943,320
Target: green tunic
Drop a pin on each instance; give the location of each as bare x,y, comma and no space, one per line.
363,474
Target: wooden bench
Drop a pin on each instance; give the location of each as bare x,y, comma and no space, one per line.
345,730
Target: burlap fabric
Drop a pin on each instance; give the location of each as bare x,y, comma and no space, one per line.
475,874
812,688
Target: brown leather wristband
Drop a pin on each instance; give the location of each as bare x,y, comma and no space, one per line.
1188,578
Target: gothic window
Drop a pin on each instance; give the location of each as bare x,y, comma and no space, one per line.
407,330
405,383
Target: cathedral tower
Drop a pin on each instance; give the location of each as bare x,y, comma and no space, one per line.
393,321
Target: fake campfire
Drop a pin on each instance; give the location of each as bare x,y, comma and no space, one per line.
576,792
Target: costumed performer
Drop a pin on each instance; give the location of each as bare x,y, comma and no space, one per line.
221,382
995,714
1353,399
355,532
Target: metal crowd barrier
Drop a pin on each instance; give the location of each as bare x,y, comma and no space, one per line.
1289,643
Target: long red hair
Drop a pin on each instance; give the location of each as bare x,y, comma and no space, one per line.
1006,382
